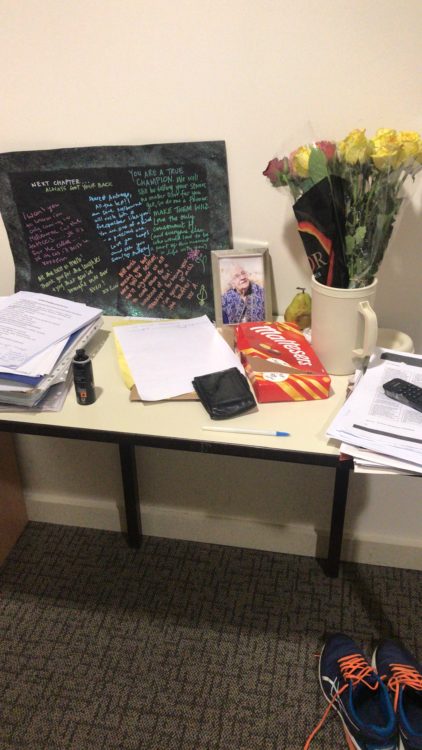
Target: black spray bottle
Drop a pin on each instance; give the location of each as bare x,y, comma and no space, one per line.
83,378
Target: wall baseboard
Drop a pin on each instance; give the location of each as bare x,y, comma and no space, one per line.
198,526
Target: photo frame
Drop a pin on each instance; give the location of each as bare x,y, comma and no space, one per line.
242,286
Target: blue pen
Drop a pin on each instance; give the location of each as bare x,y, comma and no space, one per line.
246,431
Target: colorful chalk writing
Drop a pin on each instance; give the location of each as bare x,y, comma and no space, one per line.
53,234
178,200
202,295
129,229
199,257
79,276
124,225
152,283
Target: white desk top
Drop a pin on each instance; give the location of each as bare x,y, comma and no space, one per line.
306,421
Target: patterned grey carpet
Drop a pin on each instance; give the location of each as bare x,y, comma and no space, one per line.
179,646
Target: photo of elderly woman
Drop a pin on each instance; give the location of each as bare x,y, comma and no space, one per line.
242,290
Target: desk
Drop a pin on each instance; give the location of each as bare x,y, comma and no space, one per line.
177,425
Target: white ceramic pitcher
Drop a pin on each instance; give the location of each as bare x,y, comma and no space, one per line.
344,326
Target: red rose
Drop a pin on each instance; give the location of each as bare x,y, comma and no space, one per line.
328,147
276,169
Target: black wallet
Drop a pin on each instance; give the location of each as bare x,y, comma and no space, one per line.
225,393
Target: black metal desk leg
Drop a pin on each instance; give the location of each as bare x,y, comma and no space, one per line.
337,517
130,492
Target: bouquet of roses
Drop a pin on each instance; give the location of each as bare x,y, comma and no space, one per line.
347,197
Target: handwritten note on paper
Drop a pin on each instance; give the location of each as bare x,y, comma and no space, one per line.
165,357
127,229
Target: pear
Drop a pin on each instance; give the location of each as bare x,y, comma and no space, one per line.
299,310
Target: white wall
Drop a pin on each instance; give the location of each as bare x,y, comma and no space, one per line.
264,76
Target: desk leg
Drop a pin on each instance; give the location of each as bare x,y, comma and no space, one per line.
337,517
131,494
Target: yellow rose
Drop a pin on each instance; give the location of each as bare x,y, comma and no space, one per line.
410,145
355,148
299,161
386,151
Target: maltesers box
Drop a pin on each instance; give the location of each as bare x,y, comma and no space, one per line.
280,362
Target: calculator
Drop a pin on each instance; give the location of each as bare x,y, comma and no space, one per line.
406,393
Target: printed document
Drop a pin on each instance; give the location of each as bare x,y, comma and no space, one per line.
31,322
378,461
165,357
40,364
370,419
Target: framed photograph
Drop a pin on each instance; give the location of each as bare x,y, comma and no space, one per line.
242,288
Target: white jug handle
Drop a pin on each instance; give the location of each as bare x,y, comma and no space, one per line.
370,334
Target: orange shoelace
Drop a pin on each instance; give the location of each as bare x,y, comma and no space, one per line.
354,668
403,675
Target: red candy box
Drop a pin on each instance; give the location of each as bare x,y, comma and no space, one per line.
280,362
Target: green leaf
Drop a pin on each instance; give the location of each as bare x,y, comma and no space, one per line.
350,244
317,165
360,235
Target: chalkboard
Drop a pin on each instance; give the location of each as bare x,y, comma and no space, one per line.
128,229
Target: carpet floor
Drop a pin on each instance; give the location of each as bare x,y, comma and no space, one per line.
179,645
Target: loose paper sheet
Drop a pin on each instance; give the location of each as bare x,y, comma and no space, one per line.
165,357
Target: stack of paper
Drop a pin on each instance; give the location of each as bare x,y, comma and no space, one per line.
39,335
163,358
382,434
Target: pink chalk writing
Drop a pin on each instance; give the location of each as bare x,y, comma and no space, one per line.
151,283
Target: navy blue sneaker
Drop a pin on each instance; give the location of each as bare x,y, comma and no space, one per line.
353,688
403,675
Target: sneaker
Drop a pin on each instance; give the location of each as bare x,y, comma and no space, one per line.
353,688
403,675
